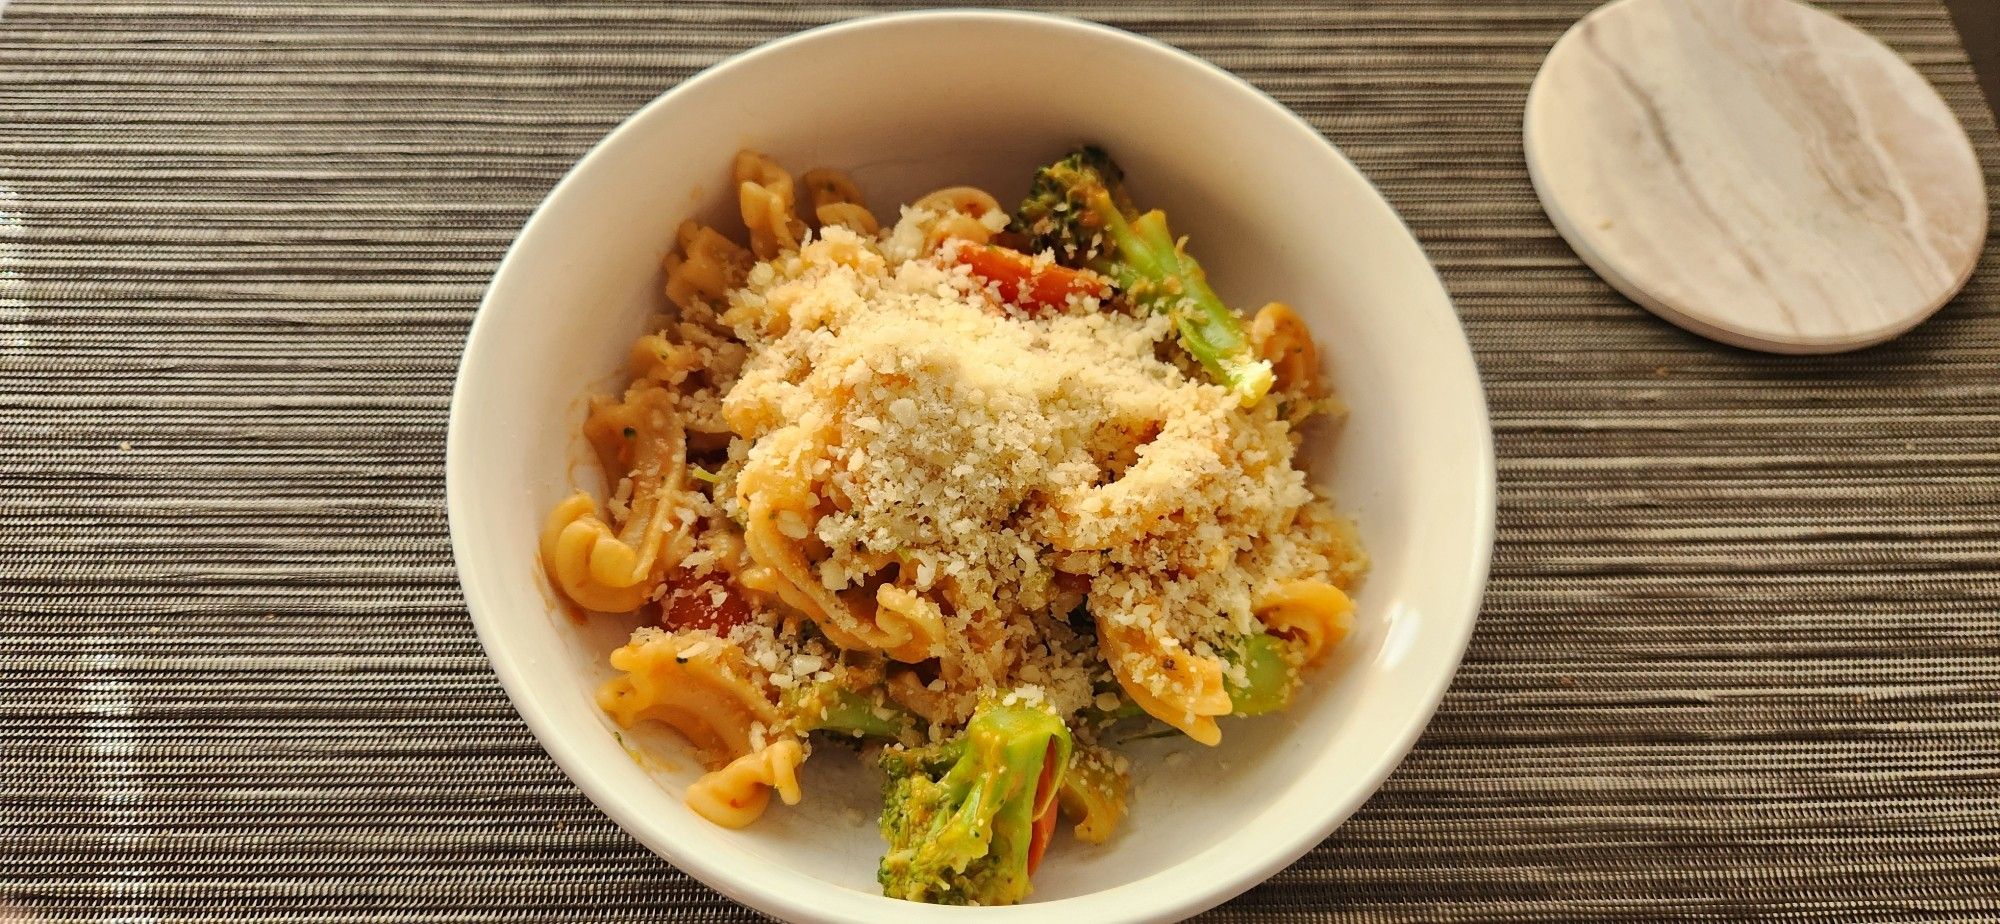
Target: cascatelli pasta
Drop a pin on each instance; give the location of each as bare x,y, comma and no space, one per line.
984,491
736,794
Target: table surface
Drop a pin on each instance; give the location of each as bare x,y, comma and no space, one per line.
1978,24
1739,657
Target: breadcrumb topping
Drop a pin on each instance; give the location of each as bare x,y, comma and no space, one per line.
1006,466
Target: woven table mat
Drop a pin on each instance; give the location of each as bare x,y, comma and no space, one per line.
1740,656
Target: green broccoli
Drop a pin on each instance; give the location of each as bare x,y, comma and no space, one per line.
1057,215
959,817
832,708
1077,207
1267,664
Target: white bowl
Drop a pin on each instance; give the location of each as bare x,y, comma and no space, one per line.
912,102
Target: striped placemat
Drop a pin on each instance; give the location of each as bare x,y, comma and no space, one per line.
1740,657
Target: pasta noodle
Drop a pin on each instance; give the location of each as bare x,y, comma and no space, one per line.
915,618
694,368
780,518
1314,614
1140,498
737,794
612,571
1281,337
837,201
705,268
1173,685
905,688
699,684
874,483
573,532
961,212
765,197
849,215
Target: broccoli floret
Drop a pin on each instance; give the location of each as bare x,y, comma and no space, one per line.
1058,214
1077,208
959,816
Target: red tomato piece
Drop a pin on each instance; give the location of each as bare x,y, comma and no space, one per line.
693,603
1040,286
1045,823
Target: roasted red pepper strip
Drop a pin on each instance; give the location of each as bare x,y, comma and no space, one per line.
690,604
1045,823
1042,286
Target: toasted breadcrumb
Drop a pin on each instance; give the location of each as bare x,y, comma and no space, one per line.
986,459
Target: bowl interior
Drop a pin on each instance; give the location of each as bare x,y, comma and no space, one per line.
912,103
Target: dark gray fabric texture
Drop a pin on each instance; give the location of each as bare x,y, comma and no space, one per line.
1739,659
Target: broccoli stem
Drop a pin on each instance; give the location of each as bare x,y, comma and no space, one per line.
995,781
851,713
1156,274
1270,674
837,709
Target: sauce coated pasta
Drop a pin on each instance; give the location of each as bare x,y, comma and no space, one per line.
985,492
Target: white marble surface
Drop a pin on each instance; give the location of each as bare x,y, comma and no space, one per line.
1756,171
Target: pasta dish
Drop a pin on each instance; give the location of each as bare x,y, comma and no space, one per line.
980,493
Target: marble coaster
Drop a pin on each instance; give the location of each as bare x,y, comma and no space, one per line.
1755,171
